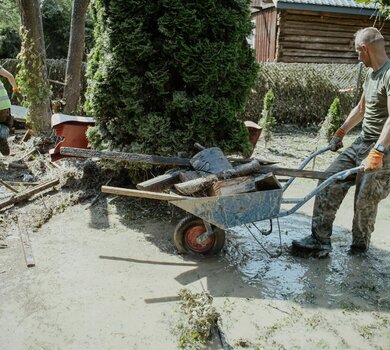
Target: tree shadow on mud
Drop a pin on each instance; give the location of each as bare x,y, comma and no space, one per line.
339,281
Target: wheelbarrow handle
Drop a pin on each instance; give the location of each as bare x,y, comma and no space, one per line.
342,175
304,163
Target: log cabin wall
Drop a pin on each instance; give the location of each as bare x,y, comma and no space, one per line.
321,37
265,35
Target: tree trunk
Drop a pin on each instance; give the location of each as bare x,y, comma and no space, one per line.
31,19
75,56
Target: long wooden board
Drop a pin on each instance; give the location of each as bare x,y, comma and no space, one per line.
142,194
130,157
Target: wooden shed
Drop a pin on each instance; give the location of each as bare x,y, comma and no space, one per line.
316,31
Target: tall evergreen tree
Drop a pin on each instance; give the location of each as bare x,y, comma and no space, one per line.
167,73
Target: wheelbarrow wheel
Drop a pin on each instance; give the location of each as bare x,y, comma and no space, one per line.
189,229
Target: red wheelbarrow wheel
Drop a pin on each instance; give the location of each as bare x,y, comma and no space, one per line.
189,229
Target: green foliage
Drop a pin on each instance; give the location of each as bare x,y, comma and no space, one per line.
10,17
31,81
56,25
267,121
165,74
384,5
9,42
333,120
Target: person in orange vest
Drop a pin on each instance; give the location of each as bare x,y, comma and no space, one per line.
6,120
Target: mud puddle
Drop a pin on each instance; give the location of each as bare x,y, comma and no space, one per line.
340,280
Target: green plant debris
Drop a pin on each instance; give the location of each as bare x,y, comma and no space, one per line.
267,121
201,321
333,120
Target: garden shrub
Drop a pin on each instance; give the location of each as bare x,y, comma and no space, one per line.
165,74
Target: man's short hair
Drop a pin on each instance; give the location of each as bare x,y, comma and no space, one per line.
367,36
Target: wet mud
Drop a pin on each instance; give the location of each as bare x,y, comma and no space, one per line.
338,281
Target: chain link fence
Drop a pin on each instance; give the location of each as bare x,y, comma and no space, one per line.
304,92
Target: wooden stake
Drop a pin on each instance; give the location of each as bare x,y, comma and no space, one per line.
21,196
26,245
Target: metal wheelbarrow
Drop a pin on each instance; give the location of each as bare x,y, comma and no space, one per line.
203,232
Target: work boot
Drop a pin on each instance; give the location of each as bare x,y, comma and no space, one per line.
4,147
357,249
312,243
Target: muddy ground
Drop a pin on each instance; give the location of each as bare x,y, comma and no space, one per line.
107,275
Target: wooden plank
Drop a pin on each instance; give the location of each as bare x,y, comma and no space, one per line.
304,37
21,196
308,174
159,183
314,33
130,157
142,194
346,21
267,182
343,49
26,245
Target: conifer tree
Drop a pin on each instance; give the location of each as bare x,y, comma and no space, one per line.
167,73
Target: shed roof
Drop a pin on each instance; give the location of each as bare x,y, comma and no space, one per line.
338,6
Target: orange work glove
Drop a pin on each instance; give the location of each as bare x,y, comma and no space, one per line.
374,161
337,140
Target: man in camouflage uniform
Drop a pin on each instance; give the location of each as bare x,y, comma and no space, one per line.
6,120
369,151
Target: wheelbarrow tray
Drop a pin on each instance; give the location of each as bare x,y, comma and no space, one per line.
221,211
234,210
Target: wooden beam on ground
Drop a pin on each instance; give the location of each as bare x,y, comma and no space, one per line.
130,157
142,194
21,196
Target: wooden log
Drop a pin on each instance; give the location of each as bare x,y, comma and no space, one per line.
241,170
130,157
21,196
196,185
204,183
142,194
242,184
159,183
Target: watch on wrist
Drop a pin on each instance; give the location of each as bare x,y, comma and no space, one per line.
380,148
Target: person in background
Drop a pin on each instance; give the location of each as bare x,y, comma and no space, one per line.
370,151
6,120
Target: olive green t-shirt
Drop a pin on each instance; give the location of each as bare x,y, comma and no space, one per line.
376,90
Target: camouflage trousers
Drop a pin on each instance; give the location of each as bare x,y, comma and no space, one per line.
371,188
